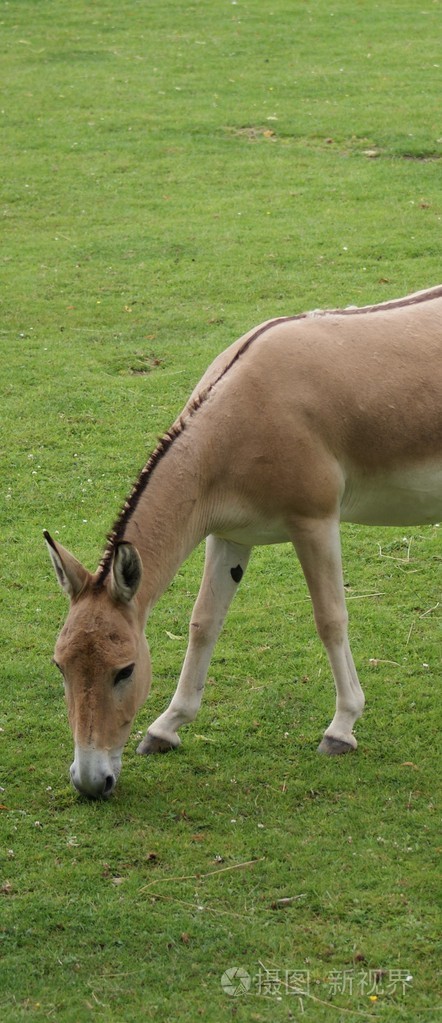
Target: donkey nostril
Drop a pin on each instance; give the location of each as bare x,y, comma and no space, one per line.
108,785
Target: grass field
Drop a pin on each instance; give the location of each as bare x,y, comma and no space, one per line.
171,175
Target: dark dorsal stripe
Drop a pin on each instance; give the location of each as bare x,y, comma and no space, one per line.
117,532
395,303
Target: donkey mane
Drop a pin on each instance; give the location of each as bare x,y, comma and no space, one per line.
116,534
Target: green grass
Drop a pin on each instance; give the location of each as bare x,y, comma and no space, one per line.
171,175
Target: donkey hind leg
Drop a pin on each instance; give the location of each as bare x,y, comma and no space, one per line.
317,544
225,564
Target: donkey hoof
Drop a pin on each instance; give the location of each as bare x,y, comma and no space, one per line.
333,747
154,744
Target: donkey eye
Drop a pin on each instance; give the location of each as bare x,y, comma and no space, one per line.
123,674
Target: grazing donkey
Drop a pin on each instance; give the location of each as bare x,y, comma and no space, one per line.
306,420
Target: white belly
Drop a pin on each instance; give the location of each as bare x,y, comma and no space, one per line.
256,534
405,497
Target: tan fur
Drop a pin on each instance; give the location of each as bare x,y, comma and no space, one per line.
302,422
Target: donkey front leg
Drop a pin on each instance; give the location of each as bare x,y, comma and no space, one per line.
224,567
317,543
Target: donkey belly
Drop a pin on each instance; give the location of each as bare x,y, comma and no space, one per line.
257,533
404,497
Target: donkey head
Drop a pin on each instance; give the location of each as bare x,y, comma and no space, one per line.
103,656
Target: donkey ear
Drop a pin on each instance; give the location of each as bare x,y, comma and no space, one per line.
126,572
70,573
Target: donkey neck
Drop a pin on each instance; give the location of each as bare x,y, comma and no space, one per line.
164,516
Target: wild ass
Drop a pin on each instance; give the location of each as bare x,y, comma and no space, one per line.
305,421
